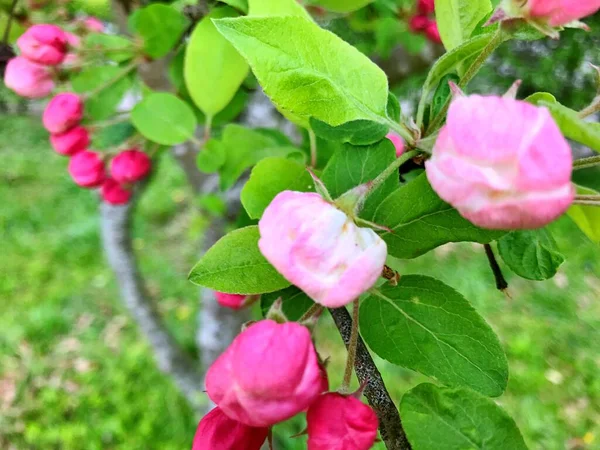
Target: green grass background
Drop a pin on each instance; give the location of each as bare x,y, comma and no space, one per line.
75,373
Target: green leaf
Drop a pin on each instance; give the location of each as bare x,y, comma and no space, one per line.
235,265
357,132
448,63
243,148
343,6
212,157
572,126
442,93
295,302
308,71
112,136
531,254
421,221
270,177
213,70
241,5
457,19
160,26
351,166
277,8
459,418
104,103
427,326
539,97
117,48
587,218
393,107
164,118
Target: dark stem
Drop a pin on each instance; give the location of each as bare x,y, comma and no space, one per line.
11,15
390,425
501,283
351,348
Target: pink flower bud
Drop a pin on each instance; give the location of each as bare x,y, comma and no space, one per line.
339,422
73,40
70,142
27,78
43,44
418,23
113,193
62,113
234,301
433,33
130,166
398,143
93,24
319,249
87,169
268,374
502,163
217,431
426,7
560,12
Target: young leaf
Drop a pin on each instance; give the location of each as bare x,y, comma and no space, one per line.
213,69
427,326
103,104
308,71
393,107
442,93
531,254
164,118
587,218
421,221
357,132
277,8
295,302
457,19
270,177
351,166
240,5
236,266
160,26
212,157
460,418
343,6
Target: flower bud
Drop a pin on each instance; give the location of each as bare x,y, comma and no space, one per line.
418,23
217,431
87,169
71,141
234,301
268,374
432,32
130,166
398,143
557,12
73,40
339,422
44,44
27,78
502,163
113,193
93,24
426,7
62,113
320,249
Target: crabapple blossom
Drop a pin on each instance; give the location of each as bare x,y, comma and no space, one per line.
28,79
113,193
44,44
130,166
87,169
558,12
62,113
233,301
398,143
71,141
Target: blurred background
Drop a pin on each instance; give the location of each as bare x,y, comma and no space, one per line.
75,373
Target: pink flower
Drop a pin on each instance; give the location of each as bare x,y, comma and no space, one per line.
70,142
426,7
560,12
87,169
268,374
502,163
130,166
113,193
44,44
73,40
419,23
339,422
234,301
93,24
217,431
27,78
319,249
62,113
398,143
433,33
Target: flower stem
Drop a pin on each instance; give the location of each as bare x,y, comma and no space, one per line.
313,148
129,68
312,311
473,69
584,163
593,108
351,348
501,283
392,168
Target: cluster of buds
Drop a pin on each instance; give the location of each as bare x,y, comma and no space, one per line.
424,22
270,373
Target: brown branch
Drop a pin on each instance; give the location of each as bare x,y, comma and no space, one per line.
390,425
501,283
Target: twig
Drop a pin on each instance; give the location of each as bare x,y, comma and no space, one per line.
584,163
11,15
379,398
351,348
501,283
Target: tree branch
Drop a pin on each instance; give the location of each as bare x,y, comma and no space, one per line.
171,359
390,425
